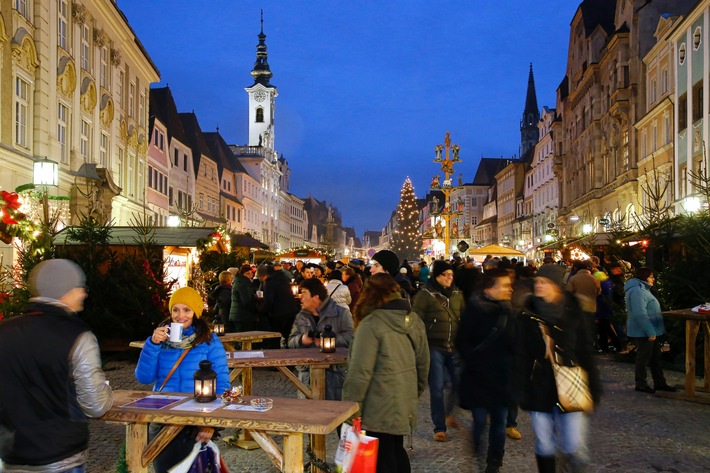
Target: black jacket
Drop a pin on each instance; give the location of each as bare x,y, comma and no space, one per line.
243,308
485,380
535,382
221,297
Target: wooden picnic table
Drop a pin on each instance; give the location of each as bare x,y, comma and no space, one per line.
694,321
245,338
317,361
289,417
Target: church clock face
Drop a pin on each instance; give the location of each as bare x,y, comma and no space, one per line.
259,95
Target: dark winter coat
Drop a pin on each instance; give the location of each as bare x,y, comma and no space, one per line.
243,311
440,314
485,380
222,300
355,286
280,306
535,381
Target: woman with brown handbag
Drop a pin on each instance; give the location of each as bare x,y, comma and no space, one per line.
552,312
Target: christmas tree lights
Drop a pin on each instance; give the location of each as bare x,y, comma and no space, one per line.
406,240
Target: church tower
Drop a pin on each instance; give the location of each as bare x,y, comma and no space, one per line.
529,134
261,97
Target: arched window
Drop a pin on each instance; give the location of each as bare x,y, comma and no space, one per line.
260,115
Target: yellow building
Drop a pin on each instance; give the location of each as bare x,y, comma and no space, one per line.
74,84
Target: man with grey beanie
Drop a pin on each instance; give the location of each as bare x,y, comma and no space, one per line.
51,374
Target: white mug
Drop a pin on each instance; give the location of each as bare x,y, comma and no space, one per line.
175,332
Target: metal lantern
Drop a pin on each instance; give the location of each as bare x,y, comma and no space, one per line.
218,326
327,340
205,382
294,290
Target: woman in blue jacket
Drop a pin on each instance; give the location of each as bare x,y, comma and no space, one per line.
645,325
158,357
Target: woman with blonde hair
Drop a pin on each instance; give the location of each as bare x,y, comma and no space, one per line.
387,368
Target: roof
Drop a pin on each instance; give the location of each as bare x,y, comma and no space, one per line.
598,13
195,138
162,105
495,250
162,236
487,170
222,153
488,220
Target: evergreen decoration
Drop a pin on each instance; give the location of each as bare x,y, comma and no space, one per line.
406,238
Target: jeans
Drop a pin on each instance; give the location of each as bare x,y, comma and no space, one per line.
648,354
76,469
564,432
441,365
512,420
496,432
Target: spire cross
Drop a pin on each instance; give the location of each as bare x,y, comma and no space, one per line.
262,21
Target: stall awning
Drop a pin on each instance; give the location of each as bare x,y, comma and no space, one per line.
496,250
245,241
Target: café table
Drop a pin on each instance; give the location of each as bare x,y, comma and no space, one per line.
245,338
694,321
317,361
289,417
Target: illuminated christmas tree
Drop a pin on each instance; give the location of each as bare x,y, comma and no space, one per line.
406,240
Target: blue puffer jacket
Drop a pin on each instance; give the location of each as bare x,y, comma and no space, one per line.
156,361
645,319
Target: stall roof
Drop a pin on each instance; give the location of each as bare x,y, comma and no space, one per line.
162,236
495,250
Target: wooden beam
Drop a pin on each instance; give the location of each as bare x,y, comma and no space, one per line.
296,382
272,450
159,442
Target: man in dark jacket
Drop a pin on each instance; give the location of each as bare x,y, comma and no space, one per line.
485,343
243,313
51,374
280,306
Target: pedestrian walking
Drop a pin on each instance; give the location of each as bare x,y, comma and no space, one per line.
484,341
51,375
387,369
439,303
243,312
554,312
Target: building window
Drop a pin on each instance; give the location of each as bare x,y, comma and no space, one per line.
150,176
121,163
170,196
654,137
85,145
104,150
62,15
141,110
644,147
666,128
260,115
85,47
62,113
104,71
22,93
130,175
131,99
698,101
202,198
683,112
141,180
23,8
119,89
184,162
624,149
664,81
652,91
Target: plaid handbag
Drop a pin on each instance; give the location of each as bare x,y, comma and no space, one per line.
573,393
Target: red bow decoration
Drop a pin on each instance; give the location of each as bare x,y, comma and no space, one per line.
11,201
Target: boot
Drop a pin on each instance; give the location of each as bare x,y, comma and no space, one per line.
493,465
545,464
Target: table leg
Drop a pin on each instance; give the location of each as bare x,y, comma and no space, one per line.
706,325
136,441
245,440
691,334
318,385
293,453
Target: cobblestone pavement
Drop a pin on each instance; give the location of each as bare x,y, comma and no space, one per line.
631,432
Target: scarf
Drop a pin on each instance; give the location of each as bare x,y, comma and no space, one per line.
186,342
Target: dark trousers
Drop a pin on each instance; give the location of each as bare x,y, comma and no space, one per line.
391,455
176,451
512,420
648,353
606,333
496,431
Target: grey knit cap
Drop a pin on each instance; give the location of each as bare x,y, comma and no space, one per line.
55,277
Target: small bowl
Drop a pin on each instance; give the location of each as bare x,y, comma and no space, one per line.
262,404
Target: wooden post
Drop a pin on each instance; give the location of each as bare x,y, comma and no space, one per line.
293,453
136,441
691,334
318,386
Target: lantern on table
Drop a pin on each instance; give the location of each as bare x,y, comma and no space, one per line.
294,289
205,382
218,326
327,340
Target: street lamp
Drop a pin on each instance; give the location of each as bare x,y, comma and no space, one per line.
46,173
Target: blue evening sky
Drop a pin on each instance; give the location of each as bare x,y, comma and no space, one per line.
366,89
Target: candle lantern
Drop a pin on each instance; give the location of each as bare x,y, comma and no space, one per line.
327,340
294,289
218,326
205,382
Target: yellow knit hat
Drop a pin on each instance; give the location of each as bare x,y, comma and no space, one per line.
189,297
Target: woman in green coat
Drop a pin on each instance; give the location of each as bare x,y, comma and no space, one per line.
387,369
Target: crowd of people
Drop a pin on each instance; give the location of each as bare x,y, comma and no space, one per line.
478,336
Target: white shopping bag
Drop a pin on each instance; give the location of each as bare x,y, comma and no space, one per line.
185,465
